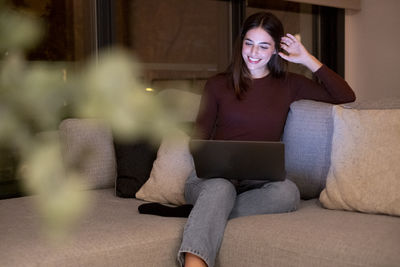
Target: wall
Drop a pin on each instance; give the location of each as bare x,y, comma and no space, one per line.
372,54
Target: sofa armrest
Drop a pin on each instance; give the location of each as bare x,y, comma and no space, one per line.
87,144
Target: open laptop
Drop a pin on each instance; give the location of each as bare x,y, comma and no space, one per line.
240,160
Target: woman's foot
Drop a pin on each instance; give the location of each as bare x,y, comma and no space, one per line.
192,260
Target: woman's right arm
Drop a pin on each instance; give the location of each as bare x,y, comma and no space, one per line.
207,115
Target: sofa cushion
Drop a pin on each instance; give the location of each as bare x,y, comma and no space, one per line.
134,163
113,233
307,137
311,236
88,146
170,171
365,170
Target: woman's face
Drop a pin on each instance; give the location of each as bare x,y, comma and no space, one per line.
257,49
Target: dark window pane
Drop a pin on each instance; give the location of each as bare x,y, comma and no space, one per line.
174,39
70,33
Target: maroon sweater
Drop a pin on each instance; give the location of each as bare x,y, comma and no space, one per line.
261,114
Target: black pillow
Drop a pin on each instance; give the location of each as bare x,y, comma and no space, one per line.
134,164
135,161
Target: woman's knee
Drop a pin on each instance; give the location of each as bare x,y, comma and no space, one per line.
288,194
219,195
219,186
218,189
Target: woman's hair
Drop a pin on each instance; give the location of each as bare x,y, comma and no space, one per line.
240,74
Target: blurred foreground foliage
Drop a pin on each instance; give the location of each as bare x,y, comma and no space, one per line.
35,97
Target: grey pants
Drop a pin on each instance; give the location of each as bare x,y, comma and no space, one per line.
218,200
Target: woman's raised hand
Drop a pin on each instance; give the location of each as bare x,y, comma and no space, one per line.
297,53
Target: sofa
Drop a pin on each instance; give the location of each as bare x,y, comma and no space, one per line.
114,233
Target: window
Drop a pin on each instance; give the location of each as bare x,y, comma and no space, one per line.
184,41
192,40
187,40
70,31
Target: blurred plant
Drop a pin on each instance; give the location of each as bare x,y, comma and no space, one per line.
34,98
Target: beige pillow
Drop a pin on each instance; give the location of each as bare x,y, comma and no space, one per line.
169,173
365,162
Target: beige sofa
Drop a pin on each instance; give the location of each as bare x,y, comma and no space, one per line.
113,233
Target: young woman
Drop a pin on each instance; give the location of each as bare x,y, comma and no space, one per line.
250,102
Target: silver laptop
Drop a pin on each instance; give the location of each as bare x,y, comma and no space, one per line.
241,160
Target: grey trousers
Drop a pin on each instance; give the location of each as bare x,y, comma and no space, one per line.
218,200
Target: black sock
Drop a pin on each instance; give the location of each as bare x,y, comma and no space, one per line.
166,211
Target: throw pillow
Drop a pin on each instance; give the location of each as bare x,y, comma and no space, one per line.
134,163
170,171
365,171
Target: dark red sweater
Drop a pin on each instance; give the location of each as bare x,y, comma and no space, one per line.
261,114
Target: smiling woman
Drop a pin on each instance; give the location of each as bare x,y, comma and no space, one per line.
250,102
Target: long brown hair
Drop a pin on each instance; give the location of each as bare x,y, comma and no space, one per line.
238,71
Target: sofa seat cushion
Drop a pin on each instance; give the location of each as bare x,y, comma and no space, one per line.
312,236
113,233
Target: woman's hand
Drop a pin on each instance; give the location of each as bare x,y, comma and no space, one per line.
297,53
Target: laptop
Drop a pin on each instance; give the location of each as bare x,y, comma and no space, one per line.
240,160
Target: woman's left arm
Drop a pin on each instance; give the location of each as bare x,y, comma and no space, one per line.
336,89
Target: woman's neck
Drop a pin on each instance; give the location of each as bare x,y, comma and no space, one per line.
259,75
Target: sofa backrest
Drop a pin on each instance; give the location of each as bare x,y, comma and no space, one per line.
308,141
307,138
